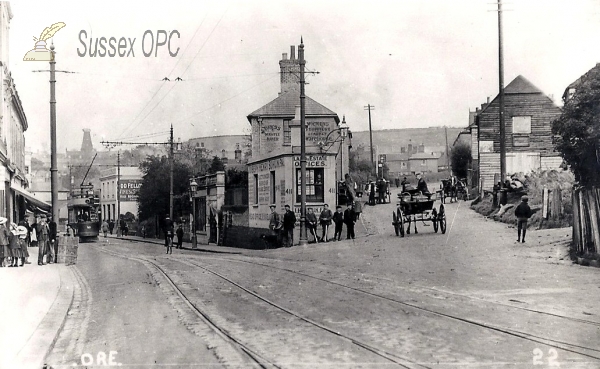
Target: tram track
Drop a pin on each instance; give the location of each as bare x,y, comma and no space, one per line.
254,359
257,358
588,352
570,347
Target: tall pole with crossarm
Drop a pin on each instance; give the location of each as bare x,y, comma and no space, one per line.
303,238
53,158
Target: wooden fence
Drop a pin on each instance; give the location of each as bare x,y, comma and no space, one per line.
586,220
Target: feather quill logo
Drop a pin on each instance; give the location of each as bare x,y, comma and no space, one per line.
40,52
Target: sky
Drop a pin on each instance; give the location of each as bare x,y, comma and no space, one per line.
421,63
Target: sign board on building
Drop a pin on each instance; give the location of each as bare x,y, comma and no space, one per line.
312,161
128,189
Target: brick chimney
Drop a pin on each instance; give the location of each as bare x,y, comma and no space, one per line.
290,71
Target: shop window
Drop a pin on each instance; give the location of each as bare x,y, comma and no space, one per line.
315,191
287,132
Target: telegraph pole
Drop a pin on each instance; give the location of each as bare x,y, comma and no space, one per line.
53,154
118,190
303,238
447,157
501,95
369,107
171,159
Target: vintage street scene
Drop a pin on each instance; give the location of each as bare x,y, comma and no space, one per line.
300,184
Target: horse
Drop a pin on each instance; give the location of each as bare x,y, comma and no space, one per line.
448,190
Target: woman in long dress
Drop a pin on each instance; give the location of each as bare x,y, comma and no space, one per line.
14,246
4,233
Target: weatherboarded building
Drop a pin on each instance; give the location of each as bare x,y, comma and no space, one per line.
528,120
274,168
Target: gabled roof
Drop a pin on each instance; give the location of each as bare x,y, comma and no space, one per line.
397,157
521,85
285,105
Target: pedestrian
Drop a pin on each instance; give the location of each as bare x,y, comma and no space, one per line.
358,206
123,226
404,184
4,234
311,223
13,245
27,239
338,220
325,220
105,228
111,226
52,241
168,231
22,233
144,231
523,213
289,222
372,193
275,224
349,220
179,236
42,232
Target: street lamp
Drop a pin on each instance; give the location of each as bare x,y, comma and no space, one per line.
193,187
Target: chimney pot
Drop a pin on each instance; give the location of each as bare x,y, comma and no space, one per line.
284,56
488,99
293,52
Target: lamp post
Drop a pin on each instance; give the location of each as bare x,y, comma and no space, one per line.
343,133
193,187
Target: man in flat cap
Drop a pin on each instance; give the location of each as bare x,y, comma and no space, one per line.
523,213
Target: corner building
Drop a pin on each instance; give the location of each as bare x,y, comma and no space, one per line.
274,168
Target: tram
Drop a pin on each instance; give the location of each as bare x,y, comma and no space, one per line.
83,207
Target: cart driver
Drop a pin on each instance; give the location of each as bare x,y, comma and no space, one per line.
422,185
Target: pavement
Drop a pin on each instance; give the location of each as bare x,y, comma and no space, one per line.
34,305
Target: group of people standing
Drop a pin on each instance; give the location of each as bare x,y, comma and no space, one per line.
283,225
16,239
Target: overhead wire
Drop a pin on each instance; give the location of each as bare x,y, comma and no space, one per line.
163,82
185,70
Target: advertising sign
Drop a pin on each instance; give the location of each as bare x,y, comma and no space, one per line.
128,190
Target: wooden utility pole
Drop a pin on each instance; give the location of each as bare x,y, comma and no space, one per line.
171,160
303,237
501,96
118,190
53,151
369,107
447,156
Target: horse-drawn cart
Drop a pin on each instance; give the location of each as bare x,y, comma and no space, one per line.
413,206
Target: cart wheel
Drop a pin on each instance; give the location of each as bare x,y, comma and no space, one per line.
395,223
442,218
434,220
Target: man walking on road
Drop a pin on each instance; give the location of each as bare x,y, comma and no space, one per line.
168,230
523,213
42,236
289,221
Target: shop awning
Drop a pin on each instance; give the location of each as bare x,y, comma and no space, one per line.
33,204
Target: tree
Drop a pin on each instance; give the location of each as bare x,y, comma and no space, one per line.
577,130
359,165
460,157
153,195
216,165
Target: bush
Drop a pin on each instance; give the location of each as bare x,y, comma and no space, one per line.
535,183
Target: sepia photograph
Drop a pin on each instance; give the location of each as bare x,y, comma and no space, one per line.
300,184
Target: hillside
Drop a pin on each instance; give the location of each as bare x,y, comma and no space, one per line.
391,140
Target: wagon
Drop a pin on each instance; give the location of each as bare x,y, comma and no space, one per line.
413,206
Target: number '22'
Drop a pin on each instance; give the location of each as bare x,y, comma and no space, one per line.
539,354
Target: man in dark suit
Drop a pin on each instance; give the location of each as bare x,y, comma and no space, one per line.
349,220
168,228
52,241
289,221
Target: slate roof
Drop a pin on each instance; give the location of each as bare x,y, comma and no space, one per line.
397,157
285,105
521,85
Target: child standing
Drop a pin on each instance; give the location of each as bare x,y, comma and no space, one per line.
523,213
338,219
179,233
